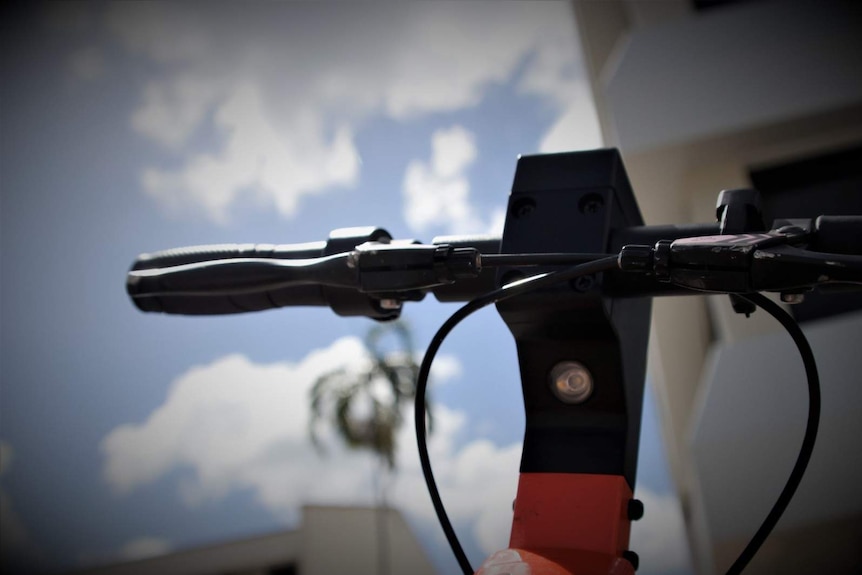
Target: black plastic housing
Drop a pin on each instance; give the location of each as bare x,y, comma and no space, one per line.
575,202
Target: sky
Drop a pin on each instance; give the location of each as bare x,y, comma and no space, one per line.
133,127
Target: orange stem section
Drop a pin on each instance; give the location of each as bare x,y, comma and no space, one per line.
570,523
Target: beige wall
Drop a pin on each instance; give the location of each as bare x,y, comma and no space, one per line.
694,101
331,540
349,540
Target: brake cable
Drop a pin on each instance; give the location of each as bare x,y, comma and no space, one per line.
598,265
510,290
808,438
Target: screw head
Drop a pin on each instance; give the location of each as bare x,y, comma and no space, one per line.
571,382
390,304
523,207
584,283
632,558
793,298
591,204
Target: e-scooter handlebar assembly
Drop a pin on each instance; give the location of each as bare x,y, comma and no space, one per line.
564,209
376,274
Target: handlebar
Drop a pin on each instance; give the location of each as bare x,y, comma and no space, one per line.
151,280
560,312
362,271
157,294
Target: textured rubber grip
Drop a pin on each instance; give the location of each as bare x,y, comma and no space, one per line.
195,254
300,295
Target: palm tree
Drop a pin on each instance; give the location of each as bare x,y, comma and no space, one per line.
365,407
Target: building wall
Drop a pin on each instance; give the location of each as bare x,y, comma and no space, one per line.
695,99
359,542
330,541
252,556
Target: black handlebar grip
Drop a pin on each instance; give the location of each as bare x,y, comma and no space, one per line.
196,254
343,301
306,295
300,295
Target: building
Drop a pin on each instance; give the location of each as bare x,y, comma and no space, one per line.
705,95
330,541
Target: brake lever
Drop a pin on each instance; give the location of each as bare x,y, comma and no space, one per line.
743,263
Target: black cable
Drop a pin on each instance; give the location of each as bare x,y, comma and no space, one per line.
549,259
511,290
807,441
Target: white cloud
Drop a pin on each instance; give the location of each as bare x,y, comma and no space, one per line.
437,192
222,421
143,548
557,73
498,221
452,151
445,55
446,368
286,87
234,425
256,158
172,110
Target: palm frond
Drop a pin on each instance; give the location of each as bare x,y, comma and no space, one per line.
336,395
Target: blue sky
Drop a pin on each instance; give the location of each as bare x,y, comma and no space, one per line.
129,128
